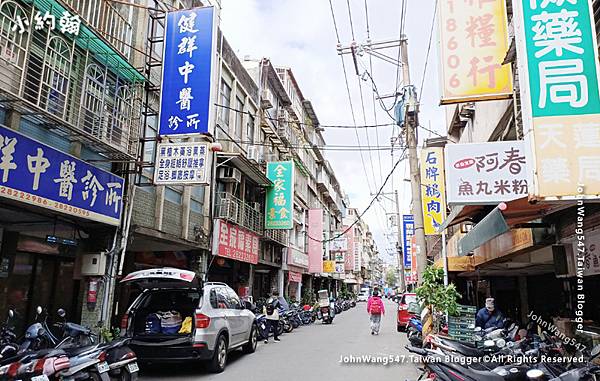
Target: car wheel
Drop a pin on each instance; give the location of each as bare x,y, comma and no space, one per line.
250,346
219,359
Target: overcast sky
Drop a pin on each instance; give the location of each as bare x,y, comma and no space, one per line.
301,35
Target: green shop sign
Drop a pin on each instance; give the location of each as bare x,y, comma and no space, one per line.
280,196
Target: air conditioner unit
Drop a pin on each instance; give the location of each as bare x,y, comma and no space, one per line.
255,153
230,175
266,100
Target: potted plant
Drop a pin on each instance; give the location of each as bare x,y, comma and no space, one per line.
439,299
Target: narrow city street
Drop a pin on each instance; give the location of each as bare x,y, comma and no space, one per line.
311,352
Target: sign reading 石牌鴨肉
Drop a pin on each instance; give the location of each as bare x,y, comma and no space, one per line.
189,50
433,194
473,41
408,230
560,95
181,163
481,173
37,174
279,212
234,242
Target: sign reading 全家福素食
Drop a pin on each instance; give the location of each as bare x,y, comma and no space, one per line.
560,95
189,51
280,196
37,174
486,173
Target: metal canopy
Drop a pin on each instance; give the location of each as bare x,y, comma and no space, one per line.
247,167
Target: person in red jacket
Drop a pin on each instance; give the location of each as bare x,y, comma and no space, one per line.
375,309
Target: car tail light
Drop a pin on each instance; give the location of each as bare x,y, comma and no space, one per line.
102,356
124,321
202,321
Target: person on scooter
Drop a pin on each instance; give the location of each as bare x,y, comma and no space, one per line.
271,311
489,316
375,309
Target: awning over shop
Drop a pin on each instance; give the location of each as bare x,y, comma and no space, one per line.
246,166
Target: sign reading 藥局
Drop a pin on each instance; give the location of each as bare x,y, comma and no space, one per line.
480,173
181,163
433,194
37,174
280,197
560,93
408,230
185,105
473,43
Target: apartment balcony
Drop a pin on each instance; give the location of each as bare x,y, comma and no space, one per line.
234,210
277,235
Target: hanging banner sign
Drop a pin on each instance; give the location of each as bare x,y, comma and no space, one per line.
560,95
234,242
37,174
181,163
473,42
280,197
328,266
315,236
339,244
408,230
482,173
433,192
189,51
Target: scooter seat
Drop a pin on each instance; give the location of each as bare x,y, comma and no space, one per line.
76,351
462,348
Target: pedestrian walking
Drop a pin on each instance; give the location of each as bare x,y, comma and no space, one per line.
375,309
271,310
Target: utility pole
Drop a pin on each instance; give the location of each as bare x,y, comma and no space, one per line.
411,121
400,251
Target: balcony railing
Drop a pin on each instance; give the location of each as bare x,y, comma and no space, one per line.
277,235
233,209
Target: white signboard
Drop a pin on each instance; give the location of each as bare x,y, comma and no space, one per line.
486,172
591,253
181,163
339,244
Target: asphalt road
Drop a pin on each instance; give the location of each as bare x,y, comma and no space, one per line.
313,353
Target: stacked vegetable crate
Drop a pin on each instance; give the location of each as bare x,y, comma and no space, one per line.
460,327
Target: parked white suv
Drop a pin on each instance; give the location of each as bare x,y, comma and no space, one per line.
217,321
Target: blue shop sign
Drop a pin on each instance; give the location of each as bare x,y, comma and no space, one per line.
37,174
187,63
408,230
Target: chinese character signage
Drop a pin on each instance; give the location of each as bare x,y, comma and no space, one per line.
234,242
480,173
433,193
294,277
181,163
473,43
297,258
188,54
315,238
560,94
590,252
408,230
339,243
349,262
66,23
280,196
328,266
39,175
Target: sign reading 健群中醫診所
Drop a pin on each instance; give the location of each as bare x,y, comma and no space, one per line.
408,230
280,196
560,95
37,174
185,107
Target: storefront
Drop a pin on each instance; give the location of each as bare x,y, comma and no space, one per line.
297,264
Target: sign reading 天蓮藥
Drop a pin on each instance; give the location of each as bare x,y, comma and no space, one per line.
185,106
479,173
560,95
181,163
408,230
473,43
280,197
433,193
37,174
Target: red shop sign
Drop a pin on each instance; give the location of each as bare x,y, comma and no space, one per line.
295,277
235,242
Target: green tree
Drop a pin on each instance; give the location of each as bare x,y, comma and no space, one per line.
390,277
434,295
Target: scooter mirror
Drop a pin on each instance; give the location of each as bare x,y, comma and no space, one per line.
62,313
534,374
39,310
11,314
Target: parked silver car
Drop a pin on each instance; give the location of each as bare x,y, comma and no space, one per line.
213,319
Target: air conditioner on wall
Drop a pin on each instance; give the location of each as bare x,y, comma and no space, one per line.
266,99
254,153
230,175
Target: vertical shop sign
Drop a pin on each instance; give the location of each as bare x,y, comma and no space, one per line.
349,260
280,196
408,230
315,236
433,192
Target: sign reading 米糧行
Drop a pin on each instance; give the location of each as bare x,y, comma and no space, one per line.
181,163
433,194
408,230
485,172
280,196
560,93
39,175
188,54
473,43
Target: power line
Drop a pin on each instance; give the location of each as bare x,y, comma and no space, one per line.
308,147
359,217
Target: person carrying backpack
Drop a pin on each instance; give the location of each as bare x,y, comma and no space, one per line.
271,310
375,309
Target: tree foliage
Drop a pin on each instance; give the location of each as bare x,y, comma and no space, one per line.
434,294
390,277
